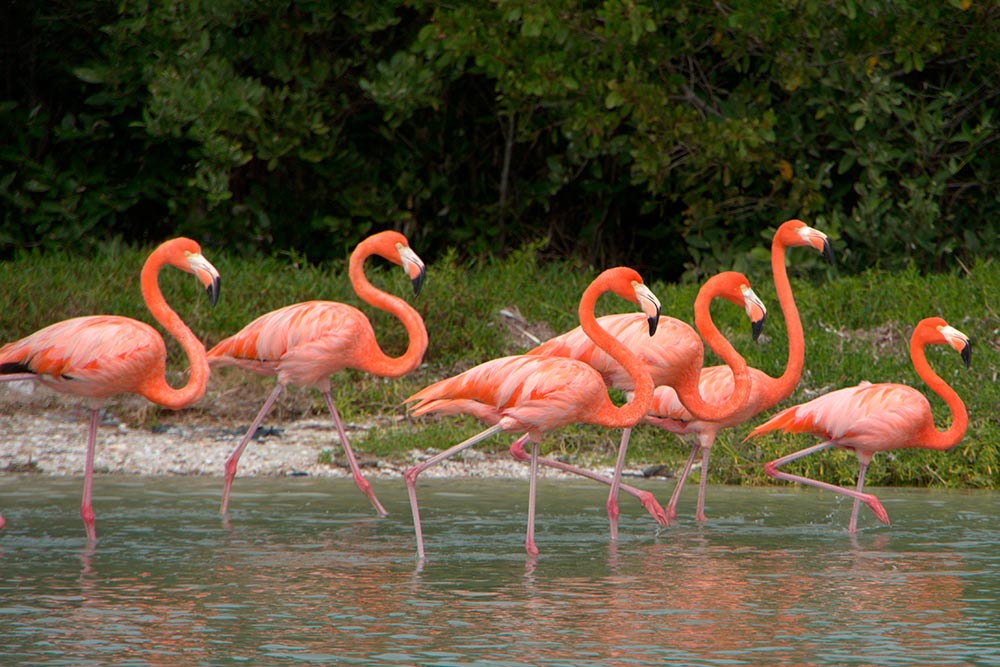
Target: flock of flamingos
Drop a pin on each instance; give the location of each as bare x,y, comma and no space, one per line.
657,360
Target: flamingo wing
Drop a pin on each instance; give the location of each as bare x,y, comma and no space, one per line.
531,392
303,343
96,356
669,350
872,417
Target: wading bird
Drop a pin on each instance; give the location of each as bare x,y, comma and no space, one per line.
532,394
305,343
673,356
880,417
100,356
716,382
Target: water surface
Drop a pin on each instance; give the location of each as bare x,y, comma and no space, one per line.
303,572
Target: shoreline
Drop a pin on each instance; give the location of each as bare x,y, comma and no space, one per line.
51,440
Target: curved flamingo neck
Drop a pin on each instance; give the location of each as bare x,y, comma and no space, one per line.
688,390
378,362
931,438
783,386
156,388
630,413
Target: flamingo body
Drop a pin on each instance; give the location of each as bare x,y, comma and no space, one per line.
870,418
100,356
305,343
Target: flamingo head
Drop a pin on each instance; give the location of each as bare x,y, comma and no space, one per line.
936,330
394,247
798,233
185,255
627,283
735,287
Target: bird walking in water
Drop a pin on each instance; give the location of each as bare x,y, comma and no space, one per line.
870,418
534,394
99,356
674,357
305,343
668,411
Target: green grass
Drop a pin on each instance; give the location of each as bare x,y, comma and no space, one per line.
857,328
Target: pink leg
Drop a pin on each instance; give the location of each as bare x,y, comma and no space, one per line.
234,458
359,479
411,478
675,496
873,503
529,540
87,507
853,526
645,497
702,485
616,482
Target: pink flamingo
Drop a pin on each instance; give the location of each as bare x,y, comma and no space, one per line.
533,394
673,356
668,412
873,418
306,342
100,356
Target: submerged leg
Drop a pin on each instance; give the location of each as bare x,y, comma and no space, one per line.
703,484
87,507
645,497
529,539
234,458
359,479
853,525
873,503
411,478
616,482
675,496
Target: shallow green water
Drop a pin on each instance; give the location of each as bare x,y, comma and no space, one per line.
304,573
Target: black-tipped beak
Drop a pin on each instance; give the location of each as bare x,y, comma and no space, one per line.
653,322
757,327
828,252
967,354
213,290
417,283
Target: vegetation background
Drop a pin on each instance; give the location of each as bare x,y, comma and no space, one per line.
521,146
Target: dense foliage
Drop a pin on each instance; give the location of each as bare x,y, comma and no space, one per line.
666,134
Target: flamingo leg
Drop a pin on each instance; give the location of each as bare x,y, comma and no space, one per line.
411,478
675,496
529,539
359,479
703,484
234,458
616,482
647,499
87,507
853,526
873,503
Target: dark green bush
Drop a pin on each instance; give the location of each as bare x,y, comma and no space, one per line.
667,135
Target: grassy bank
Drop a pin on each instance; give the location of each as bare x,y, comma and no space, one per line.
856,328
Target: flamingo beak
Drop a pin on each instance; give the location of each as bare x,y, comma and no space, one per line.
207,274
756,311
413,266
819,241
650,305
959,341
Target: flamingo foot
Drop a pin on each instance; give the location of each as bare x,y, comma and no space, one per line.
3,522
700,517
531,548
648,501
366,488
876,507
